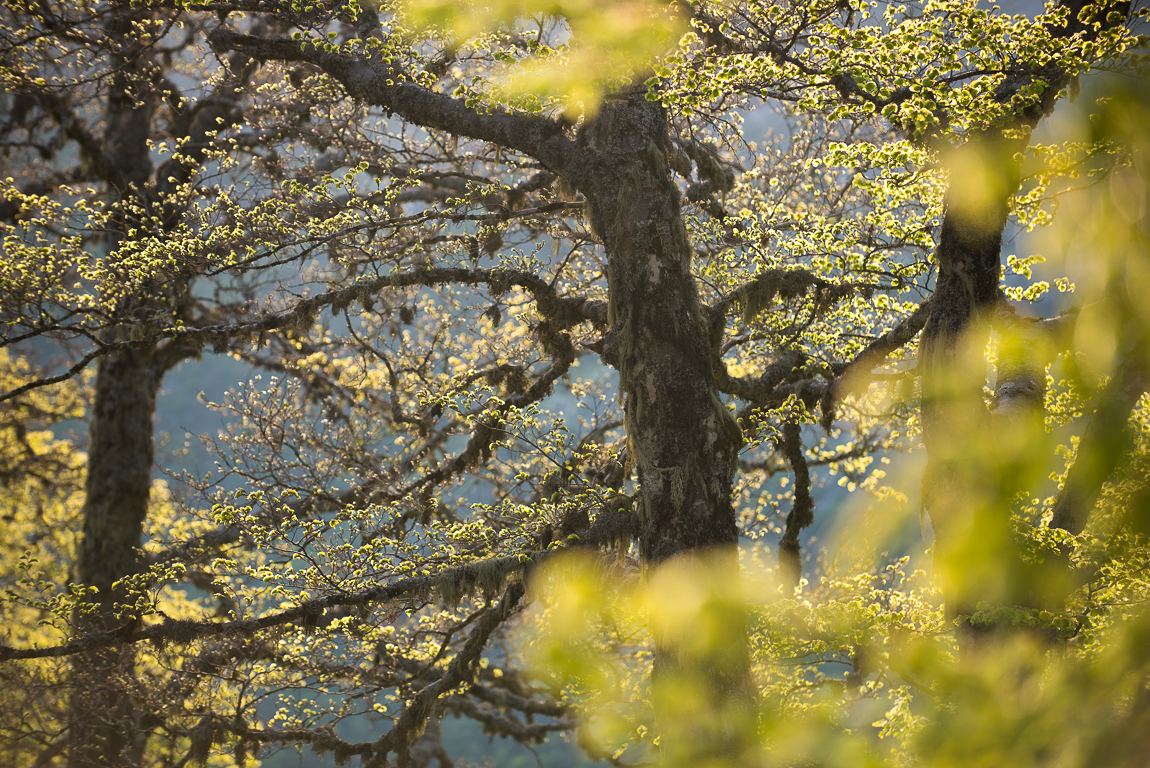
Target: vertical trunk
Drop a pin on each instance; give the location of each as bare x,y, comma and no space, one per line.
681,438
119,470
975,455
120,455
966,507
980,456
120,445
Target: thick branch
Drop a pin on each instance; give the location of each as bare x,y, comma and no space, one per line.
763,386
503,698
377,83
856,374
757,295
504,725
462,669
610,527
412,719
850,377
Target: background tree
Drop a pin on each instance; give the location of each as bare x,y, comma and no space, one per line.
421,224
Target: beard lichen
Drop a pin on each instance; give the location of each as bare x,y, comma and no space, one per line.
484,578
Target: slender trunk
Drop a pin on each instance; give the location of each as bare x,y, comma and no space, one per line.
980,456
119,470
680,437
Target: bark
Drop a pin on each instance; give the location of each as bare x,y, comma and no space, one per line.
681,438
967,284
802,512
1020,386
120,466
119,479
429,747
954,419
977,454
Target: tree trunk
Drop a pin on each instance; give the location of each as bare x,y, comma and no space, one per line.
120,445
975,456
120,453
964,504
680,437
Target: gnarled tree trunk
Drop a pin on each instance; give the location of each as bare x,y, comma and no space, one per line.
680,436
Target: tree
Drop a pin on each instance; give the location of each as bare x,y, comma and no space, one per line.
417,222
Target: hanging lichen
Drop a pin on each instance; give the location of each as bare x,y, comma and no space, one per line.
484,578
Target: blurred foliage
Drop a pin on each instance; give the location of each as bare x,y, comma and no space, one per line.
571,53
